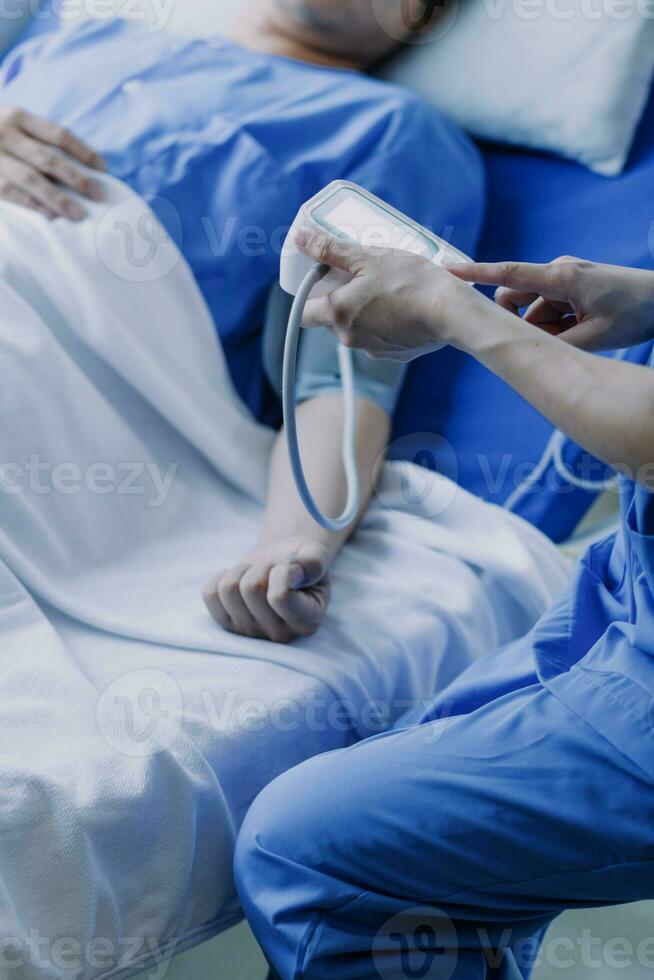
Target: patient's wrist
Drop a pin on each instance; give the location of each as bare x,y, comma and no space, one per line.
301,532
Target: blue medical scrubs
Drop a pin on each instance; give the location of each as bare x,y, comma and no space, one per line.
444,848
227,143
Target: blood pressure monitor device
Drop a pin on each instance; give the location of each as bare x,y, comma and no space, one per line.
352,214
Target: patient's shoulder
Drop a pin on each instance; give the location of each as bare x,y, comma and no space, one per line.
396,97
407,109
406,124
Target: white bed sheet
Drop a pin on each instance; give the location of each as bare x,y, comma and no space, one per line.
134,731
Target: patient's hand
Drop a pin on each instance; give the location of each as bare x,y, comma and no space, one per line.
277,593
38,161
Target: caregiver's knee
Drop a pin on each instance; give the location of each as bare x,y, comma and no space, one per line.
282,823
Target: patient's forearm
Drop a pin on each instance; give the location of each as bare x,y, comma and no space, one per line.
320,423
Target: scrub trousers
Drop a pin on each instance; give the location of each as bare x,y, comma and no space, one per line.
444,849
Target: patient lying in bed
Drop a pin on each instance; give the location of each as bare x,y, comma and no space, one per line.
226,139
135,733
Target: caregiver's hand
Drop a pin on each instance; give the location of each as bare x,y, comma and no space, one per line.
38,162
398,305
591,306
278,593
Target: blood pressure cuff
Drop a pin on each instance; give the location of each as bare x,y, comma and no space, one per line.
377,380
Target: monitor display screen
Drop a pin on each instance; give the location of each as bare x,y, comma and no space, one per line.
353,216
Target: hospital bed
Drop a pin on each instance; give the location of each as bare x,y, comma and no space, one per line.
538,207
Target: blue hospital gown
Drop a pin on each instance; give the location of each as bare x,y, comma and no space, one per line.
227,143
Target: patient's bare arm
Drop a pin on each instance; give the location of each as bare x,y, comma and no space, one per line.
281,591
320,423
39,162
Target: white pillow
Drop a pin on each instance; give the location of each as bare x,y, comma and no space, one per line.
548,74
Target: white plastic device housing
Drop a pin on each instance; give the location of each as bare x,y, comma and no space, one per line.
294,265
